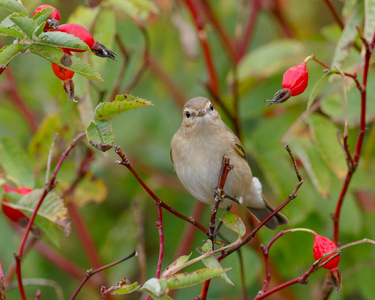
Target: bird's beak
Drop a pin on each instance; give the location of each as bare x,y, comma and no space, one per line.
201,113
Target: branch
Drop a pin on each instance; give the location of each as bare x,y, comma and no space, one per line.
90,273
124,161
202,35
47,189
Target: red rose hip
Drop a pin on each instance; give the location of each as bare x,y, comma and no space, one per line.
54,18
79,32
323,245
296,79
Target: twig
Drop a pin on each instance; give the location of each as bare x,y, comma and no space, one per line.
126,54
50,155
252,234
362,129
138,75
251,21
225,39
46,190
202,35
124,161
334,13
90,273
219,193
19,102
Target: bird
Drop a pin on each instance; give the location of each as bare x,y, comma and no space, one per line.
197,150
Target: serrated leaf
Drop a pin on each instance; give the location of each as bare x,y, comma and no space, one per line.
123,288
54,55
27,25
8,53
106,110
313,164
38,31
62,39
325,139
12,31
212,262
42,15
234,223
176,264
16,163
318,86
369,19
101,135
137,9
15,6
182,280
348,36
53,208
155,287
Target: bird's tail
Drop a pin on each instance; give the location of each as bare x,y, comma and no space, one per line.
262,213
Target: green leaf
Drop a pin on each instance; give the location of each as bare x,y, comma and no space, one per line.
182,280
267,60
53,208
42,15
137,9
54,55
121,103
27,25
318,86
12,32
369,19
234,223
316,169
123,288
16,163
38,31
348,36
15,6
101,135
212,262
325,139
157,288
176,265
62,39
9,52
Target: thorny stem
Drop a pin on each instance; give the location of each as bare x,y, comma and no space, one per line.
90,273
46,190
124,161
202,35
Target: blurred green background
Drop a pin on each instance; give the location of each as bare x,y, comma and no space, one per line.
117,211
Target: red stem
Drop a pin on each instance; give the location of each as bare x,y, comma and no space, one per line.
358,148
33,216
84,236
18,101
226,41
159,225
202,35
253,13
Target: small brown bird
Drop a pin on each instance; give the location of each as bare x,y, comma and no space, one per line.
197,151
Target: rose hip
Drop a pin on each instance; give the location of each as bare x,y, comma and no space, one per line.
53,19
296,79
323,245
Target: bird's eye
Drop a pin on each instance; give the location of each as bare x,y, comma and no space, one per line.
187,114
211,107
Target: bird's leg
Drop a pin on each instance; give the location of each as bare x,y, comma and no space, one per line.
234,199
